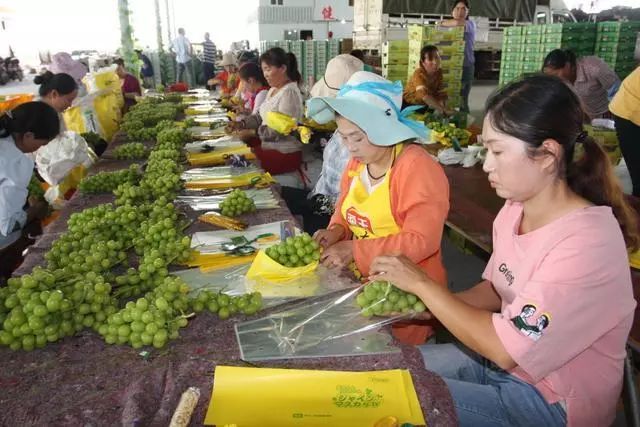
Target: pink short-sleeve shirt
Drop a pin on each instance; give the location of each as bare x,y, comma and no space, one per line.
567,307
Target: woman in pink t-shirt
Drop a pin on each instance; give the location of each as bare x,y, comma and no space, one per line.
543,335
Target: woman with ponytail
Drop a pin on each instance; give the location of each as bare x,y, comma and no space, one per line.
278,153
23,130
542,337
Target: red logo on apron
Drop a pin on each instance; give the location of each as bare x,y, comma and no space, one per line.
357,220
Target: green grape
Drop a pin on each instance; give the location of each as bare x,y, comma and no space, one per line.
130,151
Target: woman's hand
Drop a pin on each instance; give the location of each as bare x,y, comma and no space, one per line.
329,237
338,255
400,271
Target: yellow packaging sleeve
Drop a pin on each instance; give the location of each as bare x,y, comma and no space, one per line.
265,268
293,397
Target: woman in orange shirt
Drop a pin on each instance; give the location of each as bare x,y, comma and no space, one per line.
426,85
394,197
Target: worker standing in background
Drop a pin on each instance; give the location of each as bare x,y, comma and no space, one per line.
146,71
181,46
208,59
461,18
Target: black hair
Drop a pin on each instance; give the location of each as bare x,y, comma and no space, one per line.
545,320
251,69
558,58
63,83
37,117
358,54
465,2
429,51
540,108
119,61
277,57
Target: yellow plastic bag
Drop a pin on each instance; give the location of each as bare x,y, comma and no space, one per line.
285,125
108,110
263,267
296,397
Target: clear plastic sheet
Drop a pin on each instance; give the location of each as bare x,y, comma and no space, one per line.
263,198
232,281
326,326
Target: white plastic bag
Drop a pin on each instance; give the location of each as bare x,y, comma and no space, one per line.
67,151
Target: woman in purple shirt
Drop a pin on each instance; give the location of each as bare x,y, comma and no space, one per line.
460,14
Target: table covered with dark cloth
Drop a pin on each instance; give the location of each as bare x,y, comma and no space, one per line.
81,380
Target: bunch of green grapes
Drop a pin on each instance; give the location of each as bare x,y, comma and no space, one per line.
47,306
97,238
130,194
171,138
295,251
225,306
151,113
35,188
382,298
237,203
104,182
164,124
151,320
130,151
162,231
162,178
157,155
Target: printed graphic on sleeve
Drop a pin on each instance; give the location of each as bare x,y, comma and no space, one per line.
522,322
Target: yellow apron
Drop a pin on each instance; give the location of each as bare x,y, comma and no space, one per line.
369,215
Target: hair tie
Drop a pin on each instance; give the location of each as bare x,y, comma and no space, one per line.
581,137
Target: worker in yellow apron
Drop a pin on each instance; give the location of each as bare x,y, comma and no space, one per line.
394,196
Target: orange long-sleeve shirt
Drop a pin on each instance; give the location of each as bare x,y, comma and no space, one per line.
419,203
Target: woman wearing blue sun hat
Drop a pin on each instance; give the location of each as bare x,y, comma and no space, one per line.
394,197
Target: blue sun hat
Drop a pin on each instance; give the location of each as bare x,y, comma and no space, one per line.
374,105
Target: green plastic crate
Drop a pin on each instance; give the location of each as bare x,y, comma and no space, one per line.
579,37
531,67
533,39
513,31
511,57
552,38
548,47
533,29
511,66
615,47
553,28
578,26
512,40
537,58
512,48
533,48
617,37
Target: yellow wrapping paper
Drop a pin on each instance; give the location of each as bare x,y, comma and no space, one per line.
265,268
218,157
305,398
212,262
255,178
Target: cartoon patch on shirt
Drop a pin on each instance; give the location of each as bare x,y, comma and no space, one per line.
522,322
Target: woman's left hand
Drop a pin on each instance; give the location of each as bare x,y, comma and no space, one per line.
338,255
400,271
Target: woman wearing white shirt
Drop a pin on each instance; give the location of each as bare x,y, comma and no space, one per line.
23,130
